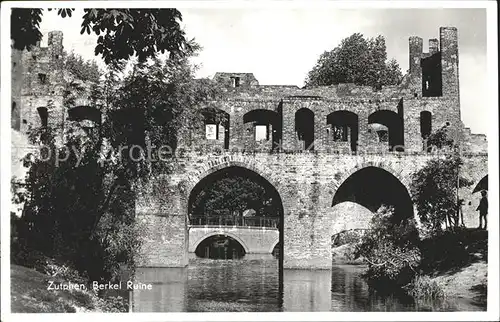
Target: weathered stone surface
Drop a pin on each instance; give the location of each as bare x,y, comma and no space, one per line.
306,181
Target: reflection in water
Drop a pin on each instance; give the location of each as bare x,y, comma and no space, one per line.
252,284
220,247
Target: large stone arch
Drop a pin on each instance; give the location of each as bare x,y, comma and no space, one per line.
209,167
250,163
399,174
215,233
404,204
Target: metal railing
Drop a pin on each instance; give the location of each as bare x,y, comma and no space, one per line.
253,221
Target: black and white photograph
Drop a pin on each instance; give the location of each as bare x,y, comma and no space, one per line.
304,160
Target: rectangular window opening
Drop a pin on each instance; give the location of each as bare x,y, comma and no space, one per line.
261,133
340,133
42,78
235,81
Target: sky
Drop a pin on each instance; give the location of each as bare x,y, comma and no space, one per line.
280,45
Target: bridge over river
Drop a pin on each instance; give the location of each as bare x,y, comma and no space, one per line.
256,235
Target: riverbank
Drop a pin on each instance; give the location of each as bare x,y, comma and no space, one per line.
453,265
468,282
30,294
457,262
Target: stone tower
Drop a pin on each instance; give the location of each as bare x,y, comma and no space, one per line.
435,74
38,83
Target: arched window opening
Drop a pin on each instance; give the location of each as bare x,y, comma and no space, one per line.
388,126
304,129
344,127
264,125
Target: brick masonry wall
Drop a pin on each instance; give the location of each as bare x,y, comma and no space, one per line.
38,90
306,183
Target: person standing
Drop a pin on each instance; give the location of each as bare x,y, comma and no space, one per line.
483,210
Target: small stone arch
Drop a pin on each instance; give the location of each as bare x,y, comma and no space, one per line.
216,233
394,123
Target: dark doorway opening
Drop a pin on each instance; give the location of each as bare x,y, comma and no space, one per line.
304,129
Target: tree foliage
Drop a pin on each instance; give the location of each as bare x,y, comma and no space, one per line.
356,60
391,249
434,192
79,201
434,188
440,139
122,33
231,196
84,70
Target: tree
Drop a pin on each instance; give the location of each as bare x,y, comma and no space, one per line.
391,249
440,139
356,60
85,71
434,192
80,210
123,33
434,188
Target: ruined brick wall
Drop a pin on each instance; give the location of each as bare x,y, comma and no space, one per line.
16,88
474,143
306,183
430,86
236,79
42,83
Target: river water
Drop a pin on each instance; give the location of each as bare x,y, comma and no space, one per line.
252,284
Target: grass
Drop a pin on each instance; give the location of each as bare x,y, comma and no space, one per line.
455,263
29,294
423,287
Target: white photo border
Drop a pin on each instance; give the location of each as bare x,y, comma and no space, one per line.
492,313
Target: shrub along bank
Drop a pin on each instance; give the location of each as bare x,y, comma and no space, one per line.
451,262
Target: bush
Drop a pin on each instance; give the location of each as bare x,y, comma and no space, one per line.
114,304
434,192
390,249
423,287
347,237
21,254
